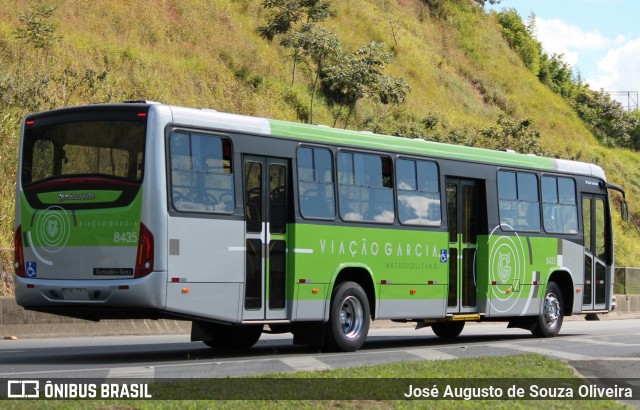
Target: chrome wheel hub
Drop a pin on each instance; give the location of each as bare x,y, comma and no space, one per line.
351,317
551,311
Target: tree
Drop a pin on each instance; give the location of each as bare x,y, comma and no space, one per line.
286,14
291,20
556,74
359,75
606,117
344,77
516,135
38,30
520,38
317,45
635,130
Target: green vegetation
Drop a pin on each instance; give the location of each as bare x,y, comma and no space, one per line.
468,85
344,77
605,117
393,378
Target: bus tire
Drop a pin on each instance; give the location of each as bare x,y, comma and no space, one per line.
550,320
233,337
447,330
349,318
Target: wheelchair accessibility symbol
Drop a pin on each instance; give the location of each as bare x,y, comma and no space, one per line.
443,256
32,269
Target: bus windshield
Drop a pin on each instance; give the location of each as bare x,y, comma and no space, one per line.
90,148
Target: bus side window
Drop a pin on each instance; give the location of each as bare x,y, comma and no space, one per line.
315,183
201,177
365,187
519,201
559,210
418,192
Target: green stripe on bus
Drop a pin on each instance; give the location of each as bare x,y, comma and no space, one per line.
327,135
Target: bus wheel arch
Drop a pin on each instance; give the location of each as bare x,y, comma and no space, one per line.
565,283
360,275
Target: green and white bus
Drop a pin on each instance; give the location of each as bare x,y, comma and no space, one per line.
245,225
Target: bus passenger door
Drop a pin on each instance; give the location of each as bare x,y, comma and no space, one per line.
462,208
596,253
266,193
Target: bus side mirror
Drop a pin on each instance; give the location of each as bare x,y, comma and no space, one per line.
624,210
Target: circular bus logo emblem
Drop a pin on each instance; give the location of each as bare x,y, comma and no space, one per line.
507,266
53,228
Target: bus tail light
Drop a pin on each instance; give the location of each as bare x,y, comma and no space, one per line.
144,258
18,253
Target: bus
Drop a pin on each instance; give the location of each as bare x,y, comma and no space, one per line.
245,225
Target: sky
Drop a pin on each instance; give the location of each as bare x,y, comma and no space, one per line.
600,39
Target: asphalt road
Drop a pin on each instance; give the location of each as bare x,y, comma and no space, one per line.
596,349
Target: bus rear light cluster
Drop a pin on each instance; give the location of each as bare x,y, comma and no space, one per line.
144,257
18,253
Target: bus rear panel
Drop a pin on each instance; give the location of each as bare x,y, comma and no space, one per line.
79,238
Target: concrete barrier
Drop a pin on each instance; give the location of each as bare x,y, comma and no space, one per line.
627,304
15,322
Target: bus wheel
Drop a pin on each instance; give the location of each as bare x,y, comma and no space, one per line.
348,318
447,330
550,320
232,337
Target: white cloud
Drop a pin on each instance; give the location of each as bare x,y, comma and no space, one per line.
619,70
559,37
620,40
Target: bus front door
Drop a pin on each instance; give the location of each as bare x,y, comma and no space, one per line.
462,208
596,253
266,193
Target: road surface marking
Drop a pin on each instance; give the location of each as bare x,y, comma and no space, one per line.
430,354
132,372
305,363
543,351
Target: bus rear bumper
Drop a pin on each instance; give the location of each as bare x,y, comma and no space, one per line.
94,299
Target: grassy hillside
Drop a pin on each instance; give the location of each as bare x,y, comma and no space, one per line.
462,73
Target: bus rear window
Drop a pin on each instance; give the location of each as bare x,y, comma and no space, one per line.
94,148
